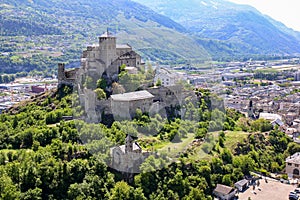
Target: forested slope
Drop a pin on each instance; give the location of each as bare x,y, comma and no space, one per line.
44,157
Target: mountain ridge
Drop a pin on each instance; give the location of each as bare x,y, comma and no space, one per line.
48,32
233,23
81,22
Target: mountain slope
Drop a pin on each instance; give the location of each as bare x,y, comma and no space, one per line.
104,11
239,25
67,26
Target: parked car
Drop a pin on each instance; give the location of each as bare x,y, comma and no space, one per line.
293,196
297,190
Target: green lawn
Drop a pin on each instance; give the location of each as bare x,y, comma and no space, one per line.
200,152
175,148
233,137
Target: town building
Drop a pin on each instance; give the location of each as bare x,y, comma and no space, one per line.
269,116
297,76
242,185
224,192
38,89
166,77
292,167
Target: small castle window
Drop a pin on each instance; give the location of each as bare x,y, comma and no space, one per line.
296,165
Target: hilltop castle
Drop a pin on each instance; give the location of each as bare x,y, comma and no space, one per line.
101,60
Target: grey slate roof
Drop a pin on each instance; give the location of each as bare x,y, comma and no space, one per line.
241,182
123,46
135,146
223,189
295,158
132,96
107,34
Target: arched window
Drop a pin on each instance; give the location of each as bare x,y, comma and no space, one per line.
296,172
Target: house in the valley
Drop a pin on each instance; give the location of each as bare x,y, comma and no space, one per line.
166,77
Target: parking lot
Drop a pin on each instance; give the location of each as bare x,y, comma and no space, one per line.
273,190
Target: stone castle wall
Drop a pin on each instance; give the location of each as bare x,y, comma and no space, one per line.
66,77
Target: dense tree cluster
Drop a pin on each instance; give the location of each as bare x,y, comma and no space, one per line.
7,78
43,157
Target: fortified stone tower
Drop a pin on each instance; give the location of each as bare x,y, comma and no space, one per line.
61,72
129,143
107,45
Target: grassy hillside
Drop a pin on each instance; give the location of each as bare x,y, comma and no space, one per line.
43,156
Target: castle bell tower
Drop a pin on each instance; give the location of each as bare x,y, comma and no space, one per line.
128,143
107,44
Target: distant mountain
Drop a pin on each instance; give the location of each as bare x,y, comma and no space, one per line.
225,23
185,30
77,23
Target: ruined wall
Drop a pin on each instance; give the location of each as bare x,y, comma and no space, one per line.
66,77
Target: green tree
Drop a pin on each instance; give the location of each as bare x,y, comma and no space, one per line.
261,125
226,156
292,148
216,166
101,83
226,180
8,190
100,94
279,140
32,194
158,83
195,194
121,191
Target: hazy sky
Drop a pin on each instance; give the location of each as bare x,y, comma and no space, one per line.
285,11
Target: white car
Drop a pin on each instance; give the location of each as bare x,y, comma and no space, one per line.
293,196
297,190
